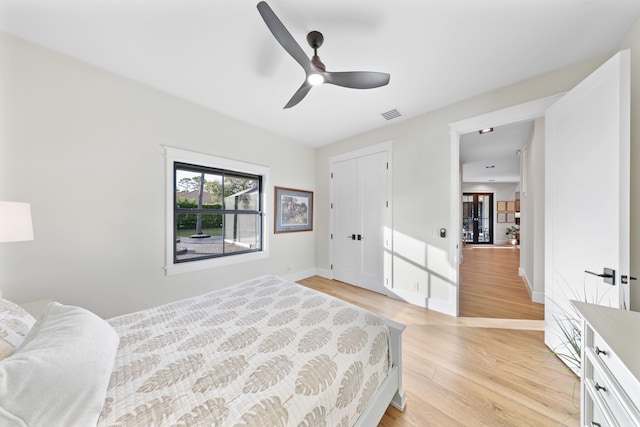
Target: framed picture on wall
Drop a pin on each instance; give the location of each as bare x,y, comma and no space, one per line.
294,210
511,206
502,216
511,217
502,206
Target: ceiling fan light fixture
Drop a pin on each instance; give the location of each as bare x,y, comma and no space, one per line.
314,69
315,79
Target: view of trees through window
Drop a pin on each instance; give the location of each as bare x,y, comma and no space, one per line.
217,212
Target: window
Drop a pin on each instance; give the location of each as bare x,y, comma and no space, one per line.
217,211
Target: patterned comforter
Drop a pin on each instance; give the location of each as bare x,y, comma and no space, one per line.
266,352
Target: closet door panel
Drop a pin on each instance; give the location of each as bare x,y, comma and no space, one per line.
344,249
372,198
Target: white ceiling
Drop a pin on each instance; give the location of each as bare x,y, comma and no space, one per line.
495,156
221,55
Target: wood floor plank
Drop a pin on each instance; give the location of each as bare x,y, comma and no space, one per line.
490,285
470,371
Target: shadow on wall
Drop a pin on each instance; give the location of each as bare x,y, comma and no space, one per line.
420,272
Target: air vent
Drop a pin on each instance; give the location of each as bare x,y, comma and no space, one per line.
391,114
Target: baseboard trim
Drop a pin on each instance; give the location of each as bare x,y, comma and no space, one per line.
527,284
421,301
324,273
294,277
537,297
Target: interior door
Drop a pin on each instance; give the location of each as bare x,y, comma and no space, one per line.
360,213
477,217
373,204
587,199
344,257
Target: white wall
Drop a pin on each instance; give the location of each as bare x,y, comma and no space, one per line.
532,213
73,135
501,191
84,147
632,41
421,177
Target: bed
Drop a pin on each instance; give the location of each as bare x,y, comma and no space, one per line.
265,352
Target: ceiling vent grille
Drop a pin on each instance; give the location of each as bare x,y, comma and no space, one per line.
391,114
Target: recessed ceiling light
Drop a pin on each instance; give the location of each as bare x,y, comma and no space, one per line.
490,167
485,130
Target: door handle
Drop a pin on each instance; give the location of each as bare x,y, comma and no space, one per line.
360,237
352,237
608,274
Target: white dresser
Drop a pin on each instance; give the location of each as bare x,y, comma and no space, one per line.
610,378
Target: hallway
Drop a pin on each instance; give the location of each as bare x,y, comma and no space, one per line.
491,287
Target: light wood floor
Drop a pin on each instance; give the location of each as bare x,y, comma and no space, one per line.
491,287
470,371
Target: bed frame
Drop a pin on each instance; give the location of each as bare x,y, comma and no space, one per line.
390,391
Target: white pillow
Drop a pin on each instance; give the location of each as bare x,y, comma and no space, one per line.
60,374
15,323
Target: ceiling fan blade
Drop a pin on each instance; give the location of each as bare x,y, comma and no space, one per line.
299,95
283,36
357,79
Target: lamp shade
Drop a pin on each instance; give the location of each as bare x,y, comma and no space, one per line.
15,222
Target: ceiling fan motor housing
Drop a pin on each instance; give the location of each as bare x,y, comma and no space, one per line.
315,39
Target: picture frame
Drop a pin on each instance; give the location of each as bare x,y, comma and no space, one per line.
502,217
511,206
293,210
511,217
502,206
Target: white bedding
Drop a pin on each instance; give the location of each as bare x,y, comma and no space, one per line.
266,352
59,375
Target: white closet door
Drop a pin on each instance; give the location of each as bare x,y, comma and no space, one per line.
372,197
345,224
361,220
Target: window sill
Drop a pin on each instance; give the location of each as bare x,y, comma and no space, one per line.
205,264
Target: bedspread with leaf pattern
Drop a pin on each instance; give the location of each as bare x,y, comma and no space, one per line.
266,352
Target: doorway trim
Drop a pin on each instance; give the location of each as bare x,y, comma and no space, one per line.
526,111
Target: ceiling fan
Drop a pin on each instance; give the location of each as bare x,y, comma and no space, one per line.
314,69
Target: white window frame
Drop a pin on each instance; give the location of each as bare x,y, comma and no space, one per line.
176,155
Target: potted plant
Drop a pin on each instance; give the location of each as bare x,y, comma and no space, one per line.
512,235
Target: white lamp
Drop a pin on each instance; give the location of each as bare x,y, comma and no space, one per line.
15,222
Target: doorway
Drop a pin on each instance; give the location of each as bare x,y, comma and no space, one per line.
528,111
477,218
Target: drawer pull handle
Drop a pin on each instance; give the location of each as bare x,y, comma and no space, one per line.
595,424
599,352
599,387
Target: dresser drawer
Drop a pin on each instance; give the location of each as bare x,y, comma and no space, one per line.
594,415
610,374
608,400
601,352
